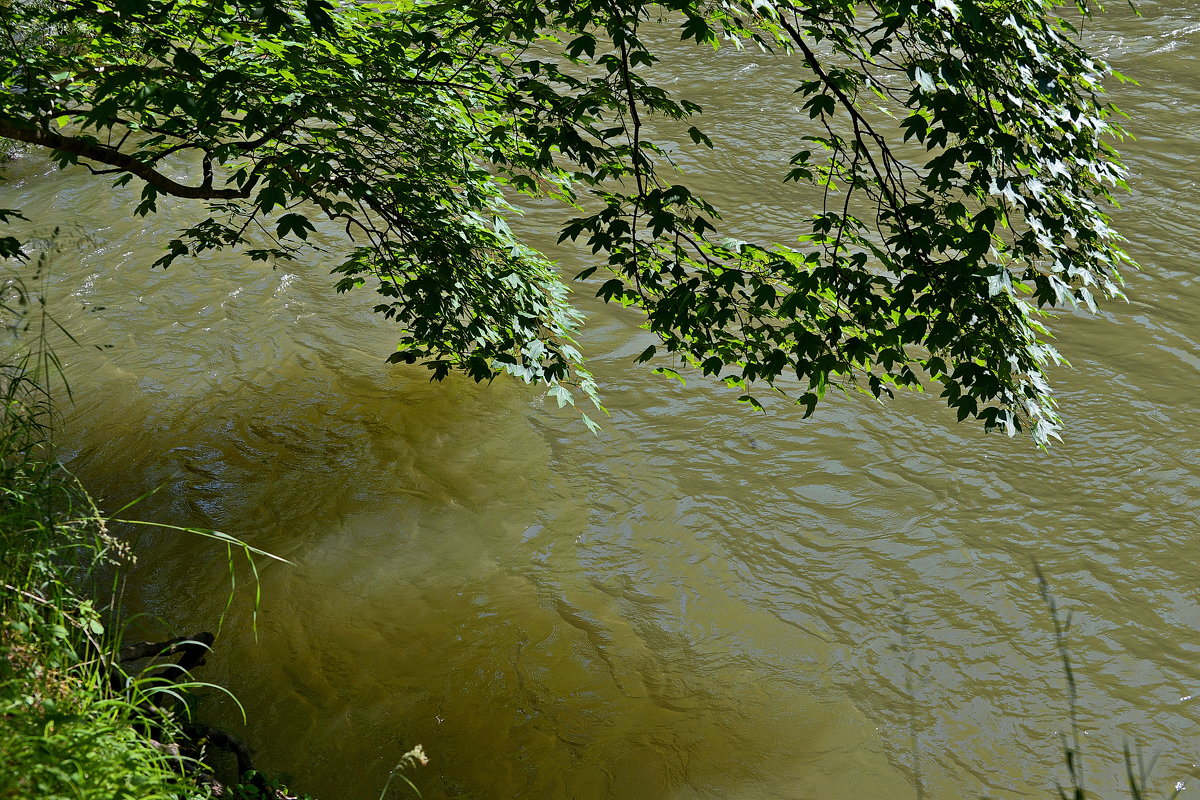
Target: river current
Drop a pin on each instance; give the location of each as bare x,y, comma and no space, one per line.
701,601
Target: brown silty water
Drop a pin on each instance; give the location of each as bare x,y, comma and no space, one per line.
700,602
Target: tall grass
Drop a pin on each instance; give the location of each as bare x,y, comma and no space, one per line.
73,723
65,732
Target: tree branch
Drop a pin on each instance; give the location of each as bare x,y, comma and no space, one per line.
94,151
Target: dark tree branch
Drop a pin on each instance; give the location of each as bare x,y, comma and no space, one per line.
94,151
226,741
171,647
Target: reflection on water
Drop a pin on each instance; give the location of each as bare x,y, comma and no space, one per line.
698,603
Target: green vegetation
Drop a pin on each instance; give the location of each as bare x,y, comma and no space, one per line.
65,734
76,722
962,148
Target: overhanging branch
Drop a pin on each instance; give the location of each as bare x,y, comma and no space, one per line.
94,151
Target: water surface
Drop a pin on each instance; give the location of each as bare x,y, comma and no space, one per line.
701,602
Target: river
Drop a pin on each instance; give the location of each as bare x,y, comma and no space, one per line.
701,601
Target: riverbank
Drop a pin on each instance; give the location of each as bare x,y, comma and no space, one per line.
85,716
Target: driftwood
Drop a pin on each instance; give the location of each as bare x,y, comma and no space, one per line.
224,740
189,752
140,650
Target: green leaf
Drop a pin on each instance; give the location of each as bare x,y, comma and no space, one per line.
294,224
699,137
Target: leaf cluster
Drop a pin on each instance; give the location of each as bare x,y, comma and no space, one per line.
962,147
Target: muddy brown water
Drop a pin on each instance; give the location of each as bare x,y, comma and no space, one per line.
701,602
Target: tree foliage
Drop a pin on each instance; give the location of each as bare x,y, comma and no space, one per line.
962,146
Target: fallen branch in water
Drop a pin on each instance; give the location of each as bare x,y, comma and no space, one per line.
140,650
188,743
